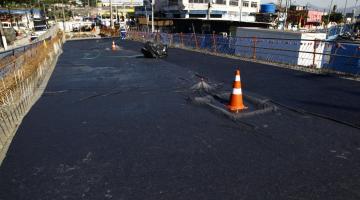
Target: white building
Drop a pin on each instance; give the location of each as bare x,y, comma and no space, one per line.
233,10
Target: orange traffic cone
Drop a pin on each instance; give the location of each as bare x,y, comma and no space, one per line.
113,46
236,98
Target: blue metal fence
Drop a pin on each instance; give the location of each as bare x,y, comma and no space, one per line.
343,57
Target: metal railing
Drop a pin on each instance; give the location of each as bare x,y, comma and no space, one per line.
339,56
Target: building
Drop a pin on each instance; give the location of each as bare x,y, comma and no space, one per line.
305,18
230,10
120,8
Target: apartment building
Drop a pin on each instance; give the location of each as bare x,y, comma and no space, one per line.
231,10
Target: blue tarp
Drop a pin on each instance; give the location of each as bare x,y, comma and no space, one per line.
345,58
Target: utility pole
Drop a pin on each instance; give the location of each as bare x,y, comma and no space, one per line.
240,7
286,14
111,16
88,8
345,8
124,12
208,10
54,12
354,13
152,16
63,13
117,14
329,14
3,38
147,19
44,9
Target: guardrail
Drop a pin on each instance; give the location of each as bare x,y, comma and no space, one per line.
339,56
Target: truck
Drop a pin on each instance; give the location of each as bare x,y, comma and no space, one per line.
40,27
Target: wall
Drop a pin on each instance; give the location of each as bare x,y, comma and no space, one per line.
23,85
279,46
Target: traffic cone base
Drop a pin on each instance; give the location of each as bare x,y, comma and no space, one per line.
236,99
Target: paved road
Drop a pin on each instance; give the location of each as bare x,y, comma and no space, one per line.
114,125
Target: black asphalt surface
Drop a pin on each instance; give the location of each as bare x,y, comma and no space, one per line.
114,125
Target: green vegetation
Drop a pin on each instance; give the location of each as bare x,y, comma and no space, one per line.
334,17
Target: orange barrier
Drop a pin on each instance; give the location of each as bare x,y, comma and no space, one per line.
236,98
109,32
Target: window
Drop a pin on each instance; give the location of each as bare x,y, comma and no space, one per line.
254,4
234,2
215,15
197,15
245,4
220,2
198,1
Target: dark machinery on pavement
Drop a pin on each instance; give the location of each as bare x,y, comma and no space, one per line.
154,50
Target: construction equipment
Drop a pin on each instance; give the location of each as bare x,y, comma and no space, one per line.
154,50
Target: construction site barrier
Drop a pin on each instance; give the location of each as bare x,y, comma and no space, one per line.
338,56
24,73
109,32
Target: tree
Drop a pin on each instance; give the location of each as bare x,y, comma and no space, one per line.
334,17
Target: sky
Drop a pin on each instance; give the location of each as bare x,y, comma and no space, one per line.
320,3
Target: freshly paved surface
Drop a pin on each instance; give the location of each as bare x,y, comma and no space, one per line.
114,125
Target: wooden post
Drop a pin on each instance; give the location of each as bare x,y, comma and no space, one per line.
171,39
181,39
214,41
196,42
254,47
314,52
157,36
